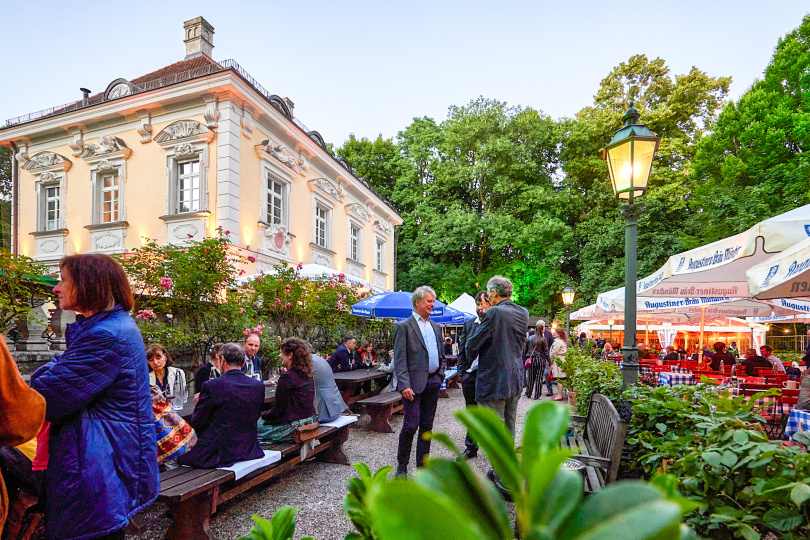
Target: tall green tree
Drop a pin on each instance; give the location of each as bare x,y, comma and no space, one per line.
377,161
5,197
754,164
680,109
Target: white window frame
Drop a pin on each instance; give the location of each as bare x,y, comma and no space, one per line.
178,177
357,255
57,201
42,187
181,149
325,220
98,173
379,254
282,179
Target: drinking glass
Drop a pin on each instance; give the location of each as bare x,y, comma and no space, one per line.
177,392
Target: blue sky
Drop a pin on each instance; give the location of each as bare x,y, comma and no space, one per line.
370,67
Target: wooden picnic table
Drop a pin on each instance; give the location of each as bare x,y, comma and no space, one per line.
349,381
187,410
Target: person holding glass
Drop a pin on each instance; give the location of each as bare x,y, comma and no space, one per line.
210,369
103,466
295,394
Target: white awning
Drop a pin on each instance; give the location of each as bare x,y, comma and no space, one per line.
784,275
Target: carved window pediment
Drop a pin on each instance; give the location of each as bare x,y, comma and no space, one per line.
47,161
325,186
279,152
107,148
184,131
358,210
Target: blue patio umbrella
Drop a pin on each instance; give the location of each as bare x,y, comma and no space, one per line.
391,305
452,316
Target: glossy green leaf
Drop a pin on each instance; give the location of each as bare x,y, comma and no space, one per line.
740,437
560,501
542,474
626,510
489,431
712,458
748,533
404,510
482,502
800,493
545,425
782,519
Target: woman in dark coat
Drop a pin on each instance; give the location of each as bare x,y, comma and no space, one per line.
103,459
295,394
536,353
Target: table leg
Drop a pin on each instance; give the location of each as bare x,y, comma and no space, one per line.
191,517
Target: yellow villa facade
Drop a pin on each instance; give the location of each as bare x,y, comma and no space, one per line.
179,152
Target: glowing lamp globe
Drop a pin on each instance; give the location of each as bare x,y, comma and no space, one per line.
629,156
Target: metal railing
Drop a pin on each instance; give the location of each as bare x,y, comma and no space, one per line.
788,343
168,80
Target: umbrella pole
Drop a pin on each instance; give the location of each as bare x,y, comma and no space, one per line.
647,333
702,322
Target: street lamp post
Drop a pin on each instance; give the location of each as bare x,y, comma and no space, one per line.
568,299
629,158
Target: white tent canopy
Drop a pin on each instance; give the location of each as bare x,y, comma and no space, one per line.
719,268
785,275
464,303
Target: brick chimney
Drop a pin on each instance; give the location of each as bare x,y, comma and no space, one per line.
199,38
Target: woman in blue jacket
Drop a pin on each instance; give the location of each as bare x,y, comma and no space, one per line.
103,458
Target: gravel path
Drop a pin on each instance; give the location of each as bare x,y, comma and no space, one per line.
318,488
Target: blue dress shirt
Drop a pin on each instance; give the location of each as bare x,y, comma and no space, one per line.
430,342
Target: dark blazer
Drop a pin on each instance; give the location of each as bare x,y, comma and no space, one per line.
341,359
725,358
257,364
202,375
295,398
411,355
464,361
549,338
498,343
225,420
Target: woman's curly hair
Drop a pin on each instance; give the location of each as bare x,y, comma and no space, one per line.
300,352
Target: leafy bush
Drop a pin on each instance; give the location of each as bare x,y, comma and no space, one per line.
280,527
746,485
587,375
20,288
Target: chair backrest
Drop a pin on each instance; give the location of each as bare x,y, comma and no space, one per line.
671,362
605,432
659,369
790,393
777,378
727,369
789,400
759,387
762,371
690,365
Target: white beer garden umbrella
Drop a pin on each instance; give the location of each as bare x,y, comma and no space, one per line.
719,269
784,275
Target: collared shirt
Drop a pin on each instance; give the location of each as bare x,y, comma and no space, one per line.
430,342
776,362
474,365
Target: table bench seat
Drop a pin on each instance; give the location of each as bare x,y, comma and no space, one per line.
193,494
380,408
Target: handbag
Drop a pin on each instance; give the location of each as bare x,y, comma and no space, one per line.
307,432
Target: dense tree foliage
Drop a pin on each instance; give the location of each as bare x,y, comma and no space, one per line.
501,189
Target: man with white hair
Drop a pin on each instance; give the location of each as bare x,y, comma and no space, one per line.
419,368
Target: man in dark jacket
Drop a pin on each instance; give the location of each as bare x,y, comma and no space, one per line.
753,361
468,367
253,364
419,367
721,356
343,358
226,416
498,343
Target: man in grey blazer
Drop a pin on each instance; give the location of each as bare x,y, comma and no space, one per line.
498,343
419,367
330,402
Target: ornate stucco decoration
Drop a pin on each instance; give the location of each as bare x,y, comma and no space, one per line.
108,147
325,186
383,226
246,122
77,142
144,128
359,210
184,149
47,160
184,129
275,239
279,152
211,116
106,165
302,162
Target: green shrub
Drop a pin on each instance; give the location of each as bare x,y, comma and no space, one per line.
587,375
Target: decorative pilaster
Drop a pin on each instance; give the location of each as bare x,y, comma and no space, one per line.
144,128
228,144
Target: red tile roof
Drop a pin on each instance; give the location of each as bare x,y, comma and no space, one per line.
173,69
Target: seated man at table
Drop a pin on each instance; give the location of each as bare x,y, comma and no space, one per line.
721,356
706,354
671,354
753,361
343,359
643,353
330,402
226,415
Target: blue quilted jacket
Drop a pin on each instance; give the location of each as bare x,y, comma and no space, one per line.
103,459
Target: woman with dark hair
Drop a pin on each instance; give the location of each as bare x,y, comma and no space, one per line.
536,353
210,369
103,465
558,350
161,372
295,394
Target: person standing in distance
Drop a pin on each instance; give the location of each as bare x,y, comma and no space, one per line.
419,368
468,367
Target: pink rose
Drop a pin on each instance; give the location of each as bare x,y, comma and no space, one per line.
287,305
281,281
246,332
300,266
227,232
166,283
317,297
288,288
241,310
278,300
251,258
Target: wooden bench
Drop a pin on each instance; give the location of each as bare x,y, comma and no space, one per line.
599,446
193,494
380,408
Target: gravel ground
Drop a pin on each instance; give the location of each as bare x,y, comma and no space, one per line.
318,488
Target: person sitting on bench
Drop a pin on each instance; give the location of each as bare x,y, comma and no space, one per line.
226,415
330,402
295,394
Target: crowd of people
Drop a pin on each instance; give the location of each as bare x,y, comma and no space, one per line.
97,421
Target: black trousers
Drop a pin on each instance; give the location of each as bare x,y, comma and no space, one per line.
419,415
534,376
468,389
